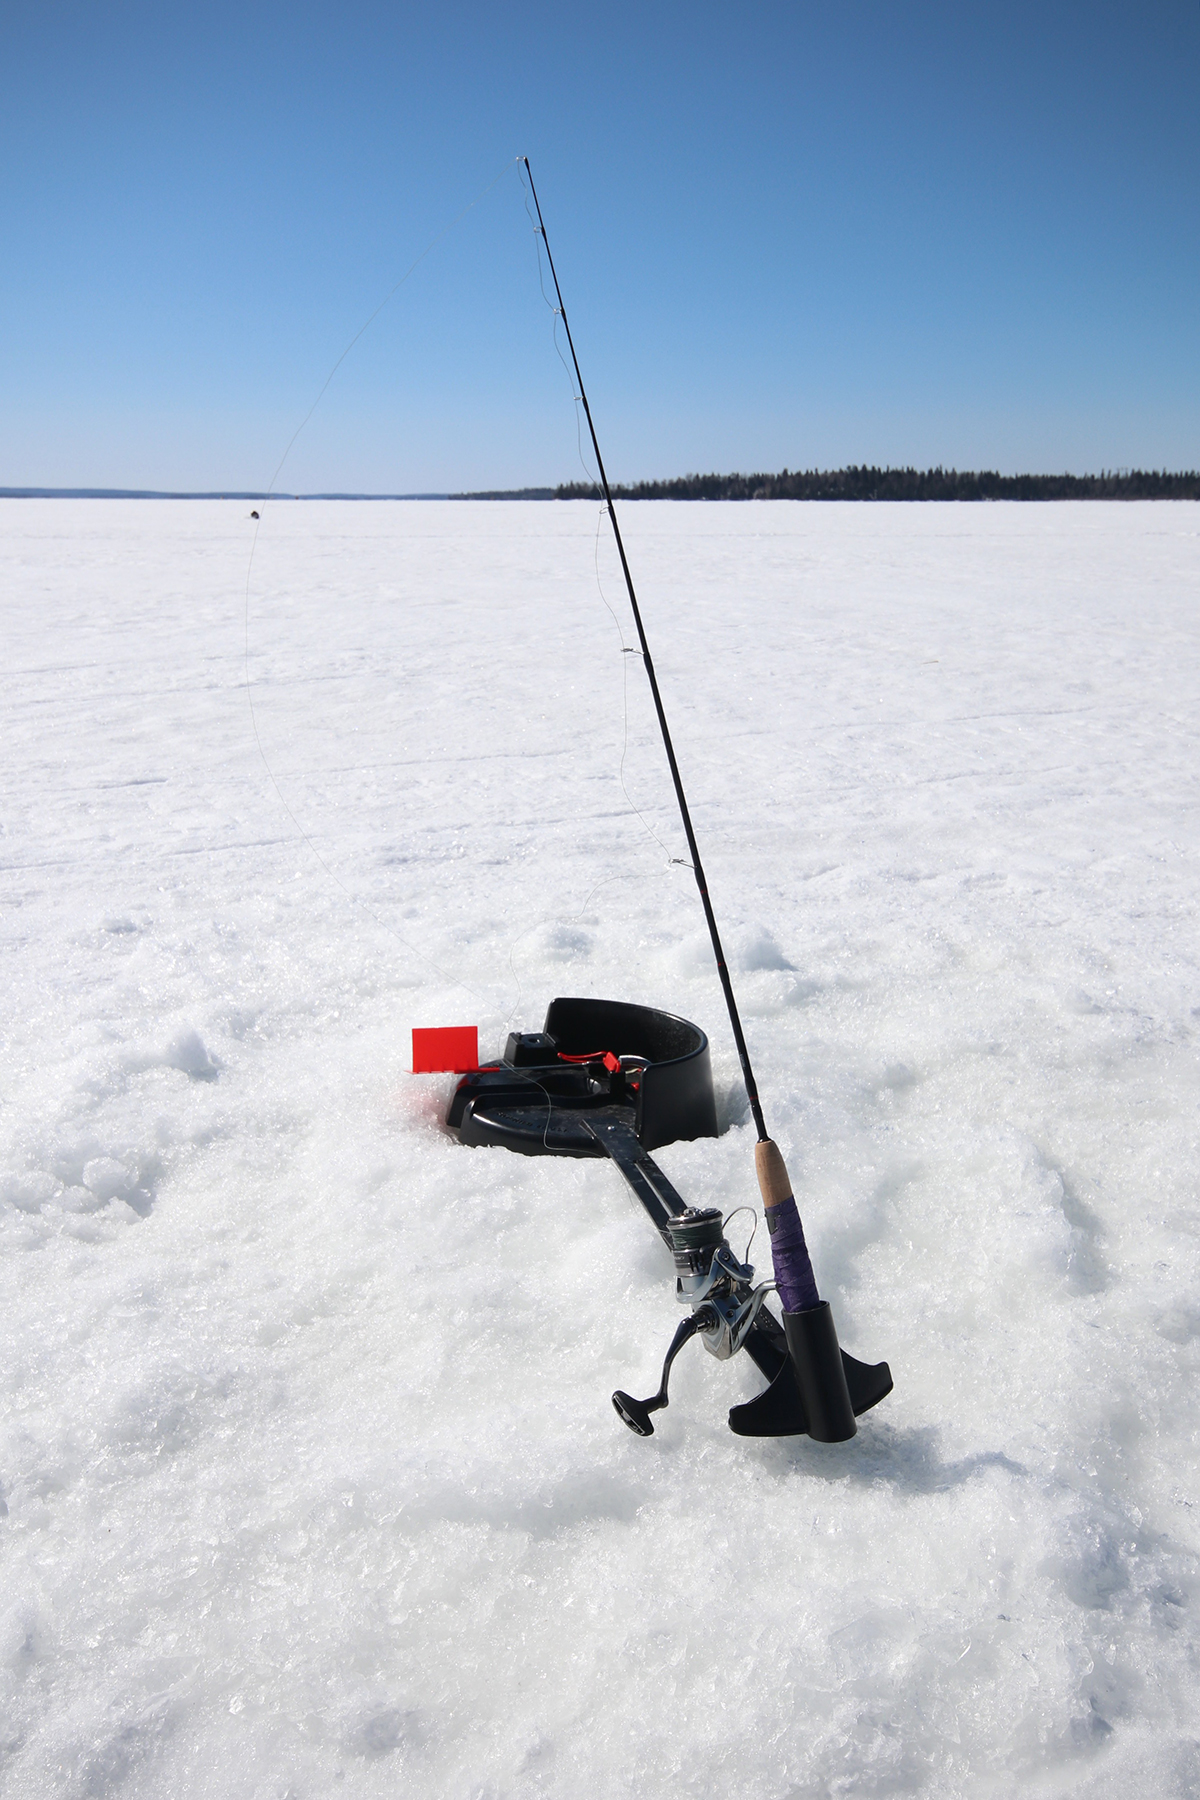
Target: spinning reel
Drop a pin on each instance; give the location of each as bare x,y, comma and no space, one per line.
721,1293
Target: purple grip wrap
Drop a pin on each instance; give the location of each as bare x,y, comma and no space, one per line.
793,1270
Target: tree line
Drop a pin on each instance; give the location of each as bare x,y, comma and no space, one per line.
860,482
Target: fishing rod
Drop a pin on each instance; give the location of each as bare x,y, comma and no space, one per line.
606,1078
798,1284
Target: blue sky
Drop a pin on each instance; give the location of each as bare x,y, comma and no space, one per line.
796,235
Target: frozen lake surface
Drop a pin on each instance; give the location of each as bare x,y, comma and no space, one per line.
309,1479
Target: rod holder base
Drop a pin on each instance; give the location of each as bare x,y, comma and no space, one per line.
780,1410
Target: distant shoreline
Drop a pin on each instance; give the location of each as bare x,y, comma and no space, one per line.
860,482
49,493
853,483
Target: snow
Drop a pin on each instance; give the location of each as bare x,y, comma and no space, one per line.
309,1478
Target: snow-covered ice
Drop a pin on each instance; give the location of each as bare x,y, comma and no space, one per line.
309,1478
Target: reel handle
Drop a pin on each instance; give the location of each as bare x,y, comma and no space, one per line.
636,1413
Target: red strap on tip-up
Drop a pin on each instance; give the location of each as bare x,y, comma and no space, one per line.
612,1063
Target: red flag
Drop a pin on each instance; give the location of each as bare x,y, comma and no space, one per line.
453,1048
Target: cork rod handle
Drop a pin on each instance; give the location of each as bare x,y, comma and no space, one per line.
773,1179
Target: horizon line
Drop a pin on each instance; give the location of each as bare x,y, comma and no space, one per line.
680,488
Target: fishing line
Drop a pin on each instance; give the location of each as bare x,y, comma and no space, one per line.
626,649
626,875
664,729
356,899
753,1211
537,240
394,289
579,398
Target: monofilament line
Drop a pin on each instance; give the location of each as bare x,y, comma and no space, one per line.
681,797
355,899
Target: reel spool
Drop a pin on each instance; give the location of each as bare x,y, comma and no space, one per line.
719,1289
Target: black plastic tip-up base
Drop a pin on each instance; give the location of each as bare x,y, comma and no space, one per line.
819,1390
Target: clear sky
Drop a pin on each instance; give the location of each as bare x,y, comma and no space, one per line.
789,234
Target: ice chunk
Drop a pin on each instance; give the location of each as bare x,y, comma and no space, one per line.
29,1191
108,1179
187,1051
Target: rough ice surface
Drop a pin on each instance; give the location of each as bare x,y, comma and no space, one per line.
309,1480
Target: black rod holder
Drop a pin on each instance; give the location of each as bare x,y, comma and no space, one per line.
820,1374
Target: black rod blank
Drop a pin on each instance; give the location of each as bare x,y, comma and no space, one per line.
681,797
